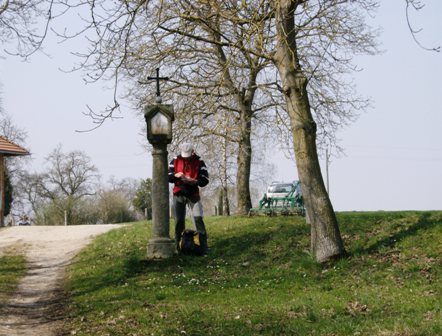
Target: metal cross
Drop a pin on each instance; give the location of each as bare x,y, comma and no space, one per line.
158,78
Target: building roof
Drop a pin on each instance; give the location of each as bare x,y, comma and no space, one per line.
9,148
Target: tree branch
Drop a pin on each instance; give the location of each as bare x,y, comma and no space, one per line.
417,5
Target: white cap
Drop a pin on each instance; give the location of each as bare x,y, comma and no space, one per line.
186,149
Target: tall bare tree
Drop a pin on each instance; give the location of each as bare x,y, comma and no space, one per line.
326,240
69,178
208,77
228,51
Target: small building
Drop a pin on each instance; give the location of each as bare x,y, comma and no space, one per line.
7,148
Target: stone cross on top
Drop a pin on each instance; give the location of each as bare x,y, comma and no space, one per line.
158,78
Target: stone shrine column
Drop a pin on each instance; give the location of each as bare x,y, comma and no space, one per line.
160,246
159,119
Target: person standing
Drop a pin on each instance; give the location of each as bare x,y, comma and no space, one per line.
188,173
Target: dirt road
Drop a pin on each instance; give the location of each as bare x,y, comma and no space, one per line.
36,309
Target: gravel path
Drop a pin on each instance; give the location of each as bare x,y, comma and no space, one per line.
37,307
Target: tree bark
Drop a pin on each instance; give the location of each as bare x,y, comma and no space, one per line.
326,241
224,183
220,203
244,157
226,206
244,161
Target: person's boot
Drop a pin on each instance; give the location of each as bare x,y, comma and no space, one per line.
201,228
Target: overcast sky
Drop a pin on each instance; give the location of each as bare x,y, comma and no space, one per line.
393,152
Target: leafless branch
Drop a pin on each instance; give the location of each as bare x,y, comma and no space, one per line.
416,5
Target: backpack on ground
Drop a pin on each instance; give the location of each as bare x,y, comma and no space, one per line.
190,243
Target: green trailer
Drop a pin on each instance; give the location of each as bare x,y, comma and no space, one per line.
281,199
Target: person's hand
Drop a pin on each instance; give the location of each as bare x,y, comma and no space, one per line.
179,175
188,180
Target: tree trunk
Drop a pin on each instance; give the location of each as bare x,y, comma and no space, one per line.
226,209
244,161
220,203
244,158
326,241
224,183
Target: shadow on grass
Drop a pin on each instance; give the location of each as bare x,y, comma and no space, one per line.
425,221
235,247
265,242
256,243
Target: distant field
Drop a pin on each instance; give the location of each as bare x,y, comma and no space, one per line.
260,280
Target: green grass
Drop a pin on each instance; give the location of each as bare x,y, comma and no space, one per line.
12,269
260,280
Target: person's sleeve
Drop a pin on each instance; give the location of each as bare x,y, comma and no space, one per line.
171,172
203,175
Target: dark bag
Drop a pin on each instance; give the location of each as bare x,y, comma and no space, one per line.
188,191
190,243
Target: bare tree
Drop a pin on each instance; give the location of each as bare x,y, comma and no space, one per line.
220,158
20,25
13,133
69,178
219,55
225,51
30,195
207,79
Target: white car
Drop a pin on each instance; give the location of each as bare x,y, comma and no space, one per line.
277,189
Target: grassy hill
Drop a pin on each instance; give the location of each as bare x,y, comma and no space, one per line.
259,279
